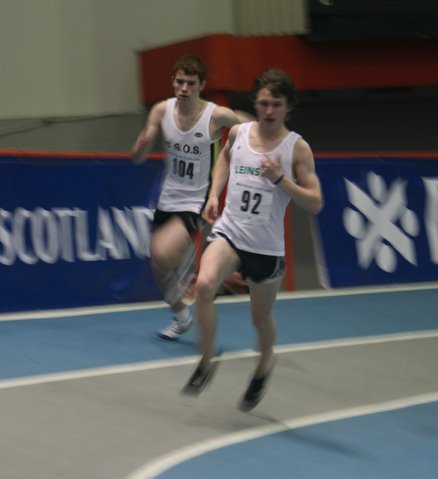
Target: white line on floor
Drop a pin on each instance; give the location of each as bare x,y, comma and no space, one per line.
166,462
167,363
83,311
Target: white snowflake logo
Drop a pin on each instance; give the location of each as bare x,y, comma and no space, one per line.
381,223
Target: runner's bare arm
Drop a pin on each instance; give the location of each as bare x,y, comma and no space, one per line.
146,140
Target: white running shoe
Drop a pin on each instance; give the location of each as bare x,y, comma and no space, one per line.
175,329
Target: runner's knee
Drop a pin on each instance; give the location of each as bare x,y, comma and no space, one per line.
205,288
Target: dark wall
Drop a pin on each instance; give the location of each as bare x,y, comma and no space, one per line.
372,19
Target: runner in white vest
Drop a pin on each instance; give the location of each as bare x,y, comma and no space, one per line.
265,166
189,127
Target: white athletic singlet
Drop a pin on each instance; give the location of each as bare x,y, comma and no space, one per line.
188,162
253,217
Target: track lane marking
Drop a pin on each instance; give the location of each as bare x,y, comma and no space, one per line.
116,308
165,462
227,356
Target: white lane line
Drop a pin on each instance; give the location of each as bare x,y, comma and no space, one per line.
163,463
82,311
233,355
94,372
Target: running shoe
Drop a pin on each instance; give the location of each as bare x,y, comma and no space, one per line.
198,380
256,390
175,329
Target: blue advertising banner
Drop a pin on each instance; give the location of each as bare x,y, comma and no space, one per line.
75,231
380,220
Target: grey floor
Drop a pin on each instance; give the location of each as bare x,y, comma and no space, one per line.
127,420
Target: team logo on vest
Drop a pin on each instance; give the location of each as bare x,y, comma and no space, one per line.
198,134
247,170
183,148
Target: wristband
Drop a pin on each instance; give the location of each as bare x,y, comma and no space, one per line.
278,179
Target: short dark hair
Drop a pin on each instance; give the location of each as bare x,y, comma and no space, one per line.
278,82
191,65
